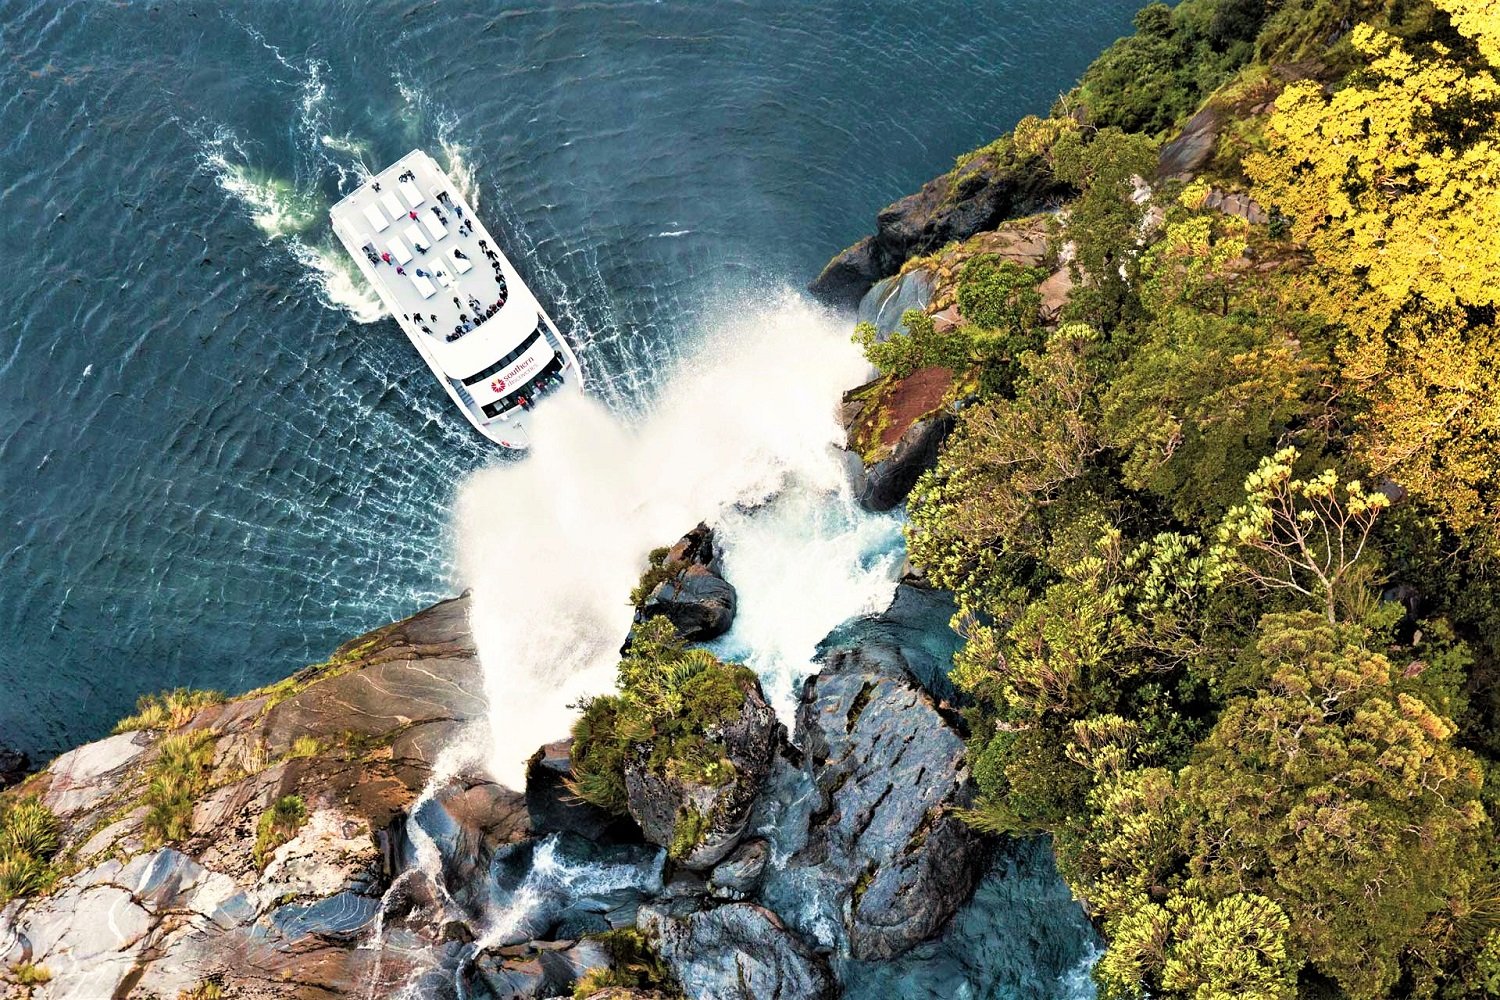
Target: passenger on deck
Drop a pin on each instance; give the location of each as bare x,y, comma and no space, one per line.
439,213
422,274
413,215
400,269
385,255
474,304
427,329
420,247
460,254
370,254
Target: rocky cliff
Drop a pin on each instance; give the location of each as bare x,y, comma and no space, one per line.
334,840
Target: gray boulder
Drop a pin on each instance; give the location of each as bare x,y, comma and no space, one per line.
885,303
695,597
739,875
882,845
701,823
738,951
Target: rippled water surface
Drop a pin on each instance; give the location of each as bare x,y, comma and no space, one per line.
211,470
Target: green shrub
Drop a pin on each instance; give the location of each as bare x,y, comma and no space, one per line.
29,974
29,837
633,964
174,780
687,834
669,698
206,990
167,710
277,825
659,569
1001,296
918,345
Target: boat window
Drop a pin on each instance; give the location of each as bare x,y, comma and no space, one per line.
521,349
531,389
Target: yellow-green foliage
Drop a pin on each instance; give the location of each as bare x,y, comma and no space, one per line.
659,569
670,699
277,825
174,780
1393,183
167,710
633,965
206,990
29,974
304,746
29,837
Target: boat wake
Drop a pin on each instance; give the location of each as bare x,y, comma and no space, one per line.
743,434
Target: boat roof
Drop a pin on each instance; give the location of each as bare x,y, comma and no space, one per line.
379,215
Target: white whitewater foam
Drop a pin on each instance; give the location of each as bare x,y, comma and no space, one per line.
552,545
285,215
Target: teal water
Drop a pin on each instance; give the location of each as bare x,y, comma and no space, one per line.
211,471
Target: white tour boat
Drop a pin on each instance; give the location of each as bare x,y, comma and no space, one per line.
442,275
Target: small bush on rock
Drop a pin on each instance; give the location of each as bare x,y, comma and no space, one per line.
277,825
633,965
174,780
28,840
671,701
167,710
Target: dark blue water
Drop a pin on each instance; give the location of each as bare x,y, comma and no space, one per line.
210,471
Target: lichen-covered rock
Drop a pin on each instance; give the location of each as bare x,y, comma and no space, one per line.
888,770
701,822
354,739
738,951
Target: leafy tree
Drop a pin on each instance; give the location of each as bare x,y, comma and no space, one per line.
1393,183
1342,799
1008,461
1306,536
1104,223
916,344
1001,296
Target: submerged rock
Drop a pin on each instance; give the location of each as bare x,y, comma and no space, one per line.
14,765
738,951
698,821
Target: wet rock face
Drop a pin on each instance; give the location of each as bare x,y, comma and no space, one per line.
553,808
664,805
696,599
888,770
954,206
883,485
738,951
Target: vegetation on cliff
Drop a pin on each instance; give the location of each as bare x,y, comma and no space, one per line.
1224,538
671,701
29,837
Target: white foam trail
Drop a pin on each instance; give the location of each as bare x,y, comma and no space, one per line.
552,545
284,214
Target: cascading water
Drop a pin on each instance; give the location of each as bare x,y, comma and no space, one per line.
743,435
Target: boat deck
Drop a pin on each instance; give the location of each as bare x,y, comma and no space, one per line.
407,222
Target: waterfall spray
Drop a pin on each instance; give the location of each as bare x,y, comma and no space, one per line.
551,546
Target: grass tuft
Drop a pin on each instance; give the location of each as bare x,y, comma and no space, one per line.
168,710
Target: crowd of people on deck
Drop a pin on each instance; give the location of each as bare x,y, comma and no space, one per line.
477,312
